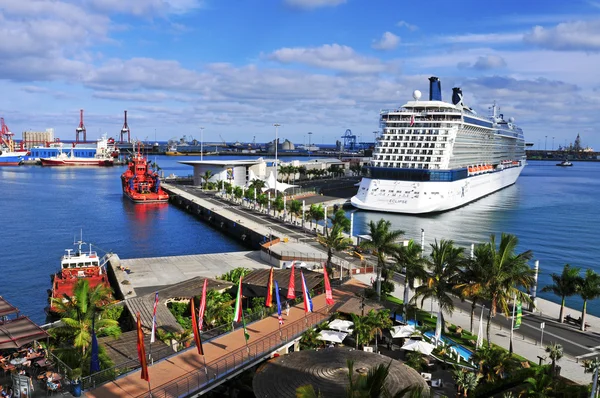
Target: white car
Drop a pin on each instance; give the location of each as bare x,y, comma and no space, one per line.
297,264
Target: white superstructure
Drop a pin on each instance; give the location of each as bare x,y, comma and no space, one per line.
434,156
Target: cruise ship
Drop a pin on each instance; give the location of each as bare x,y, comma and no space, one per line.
435,156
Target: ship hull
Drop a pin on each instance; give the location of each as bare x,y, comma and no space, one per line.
77,162
10,159
416,197
146,198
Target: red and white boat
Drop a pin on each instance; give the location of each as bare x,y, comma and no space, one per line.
141,183
73,268
104,157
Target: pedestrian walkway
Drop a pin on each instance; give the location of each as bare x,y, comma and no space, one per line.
187,372
571,367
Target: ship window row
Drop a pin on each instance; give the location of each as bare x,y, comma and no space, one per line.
388,137
411,145
418,174
80,265
381,154
418,124
418,131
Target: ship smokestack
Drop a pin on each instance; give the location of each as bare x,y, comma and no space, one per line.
456,95
435,89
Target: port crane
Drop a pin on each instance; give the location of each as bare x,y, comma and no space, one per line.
80,129
349,140
125,130
6,139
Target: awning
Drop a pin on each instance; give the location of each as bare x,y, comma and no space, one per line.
7,308
16,333
330,335
418,346
341,325
277,185
402,331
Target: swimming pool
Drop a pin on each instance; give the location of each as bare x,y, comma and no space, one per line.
462,351
400,318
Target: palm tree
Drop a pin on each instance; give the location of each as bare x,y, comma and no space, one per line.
439,283
258,184
466,381
334,241
589,289
472,279
234,275
409,257
555,352
316,213
539,386
383,243
565,285
339,218
218,309
505,271
362,330
295,208
208,174
79,312
309,339
378,322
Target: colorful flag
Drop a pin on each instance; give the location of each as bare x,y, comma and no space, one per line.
202,305
519,314
291,294
141,350
237,310
269,300
195,329
153,334
95,362
328,292
278,304
308,305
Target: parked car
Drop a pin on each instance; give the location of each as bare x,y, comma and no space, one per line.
298,264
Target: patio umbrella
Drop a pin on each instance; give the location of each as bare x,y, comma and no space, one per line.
334,337
419,346
341,325
402,331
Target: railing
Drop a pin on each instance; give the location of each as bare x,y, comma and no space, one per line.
202,378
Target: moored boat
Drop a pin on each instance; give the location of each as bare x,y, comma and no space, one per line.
104,156
73,268
9,156
140,183
565,163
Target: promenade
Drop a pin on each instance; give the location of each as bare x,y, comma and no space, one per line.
577,345
224,356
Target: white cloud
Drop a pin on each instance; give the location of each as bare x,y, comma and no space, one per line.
146,7
568,36
312,4
330,56
404,24
388,41
486,62
483,38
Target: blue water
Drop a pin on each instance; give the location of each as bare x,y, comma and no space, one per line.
462,351
554,211
44,208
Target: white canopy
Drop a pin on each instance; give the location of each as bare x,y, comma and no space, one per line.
341,325
277,185
330,335
402,331
419,346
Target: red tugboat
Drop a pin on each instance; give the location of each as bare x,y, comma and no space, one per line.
73,268
140,183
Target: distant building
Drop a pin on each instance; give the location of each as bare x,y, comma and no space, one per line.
38,138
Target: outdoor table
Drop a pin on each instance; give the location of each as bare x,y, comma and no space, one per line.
17,361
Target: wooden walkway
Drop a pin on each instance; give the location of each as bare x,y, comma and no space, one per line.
186,373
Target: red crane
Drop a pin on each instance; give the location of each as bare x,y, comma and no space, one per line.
81,128
125,130
6,139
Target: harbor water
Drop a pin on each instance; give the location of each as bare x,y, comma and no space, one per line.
553,211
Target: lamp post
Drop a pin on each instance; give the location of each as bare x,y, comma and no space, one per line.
277,125
309,134
552,143
201,142
546,143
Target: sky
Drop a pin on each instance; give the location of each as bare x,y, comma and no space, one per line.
320,66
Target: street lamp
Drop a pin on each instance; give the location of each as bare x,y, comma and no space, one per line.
546,144
552,143
201,142
277,125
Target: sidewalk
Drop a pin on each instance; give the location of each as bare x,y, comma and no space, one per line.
523,346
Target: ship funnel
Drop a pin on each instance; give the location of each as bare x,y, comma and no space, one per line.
435,89
457,95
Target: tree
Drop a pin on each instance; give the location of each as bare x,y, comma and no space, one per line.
238,192
540,386
295,208
316,213
440,281
208,174
278,204
339,218
555,352
589,289
472,279
505,272
383,243
234,275
258,184
465,381
565,285
493,362
309,339
362,330
334,241
218,309
409,258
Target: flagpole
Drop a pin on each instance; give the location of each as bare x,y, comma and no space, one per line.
512,324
